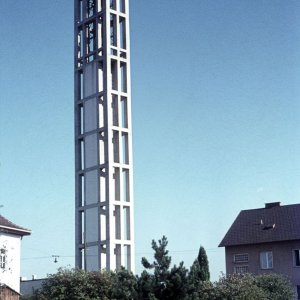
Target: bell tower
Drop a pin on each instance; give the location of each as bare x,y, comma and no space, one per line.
103,147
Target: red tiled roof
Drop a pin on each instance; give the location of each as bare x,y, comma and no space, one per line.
9,227
255,226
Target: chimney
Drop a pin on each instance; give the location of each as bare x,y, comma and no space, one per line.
272,204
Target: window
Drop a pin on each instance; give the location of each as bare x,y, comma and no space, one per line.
297,258
241,258
266,260
2,258
241,269
298,292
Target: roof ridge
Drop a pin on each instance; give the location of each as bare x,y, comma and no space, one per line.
263,208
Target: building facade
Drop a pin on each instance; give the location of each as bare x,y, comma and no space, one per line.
103,147
6,293
10,254
264,241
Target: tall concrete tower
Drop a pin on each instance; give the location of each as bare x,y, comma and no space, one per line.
103,148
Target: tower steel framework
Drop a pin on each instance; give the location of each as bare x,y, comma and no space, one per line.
103,147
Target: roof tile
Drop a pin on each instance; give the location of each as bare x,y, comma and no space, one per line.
278,223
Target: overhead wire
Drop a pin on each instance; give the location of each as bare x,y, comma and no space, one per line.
137,253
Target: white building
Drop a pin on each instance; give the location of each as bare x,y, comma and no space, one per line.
10,252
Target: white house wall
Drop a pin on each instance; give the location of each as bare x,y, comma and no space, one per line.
10,275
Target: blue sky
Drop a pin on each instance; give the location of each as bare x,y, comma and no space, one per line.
216,127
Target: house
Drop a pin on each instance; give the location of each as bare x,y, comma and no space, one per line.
10,250
265,240
7,293
30,286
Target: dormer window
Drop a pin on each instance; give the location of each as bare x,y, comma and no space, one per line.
2,258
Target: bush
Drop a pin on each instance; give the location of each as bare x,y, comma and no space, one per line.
77,284
276,287
238,287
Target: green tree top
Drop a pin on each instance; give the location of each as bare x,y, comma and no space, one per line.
162,261
165,283
204,274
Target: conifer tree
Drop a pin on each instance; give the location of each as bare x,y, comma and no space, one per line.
166,283
204,274
198,277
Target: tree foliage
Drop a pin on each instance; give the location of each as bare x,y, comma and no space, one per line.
276,287
202,259
198,277
238,287
248,286
78,285
160,280
166,283
124,285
